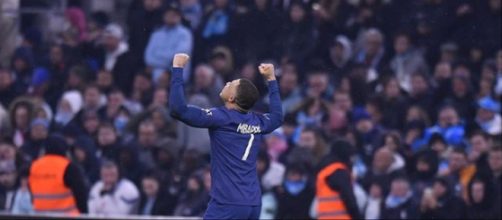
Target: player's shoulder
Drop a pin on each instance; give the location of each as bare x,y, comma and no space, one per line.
217,112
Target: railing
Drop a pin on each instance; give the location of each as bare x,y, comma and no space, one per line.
93,217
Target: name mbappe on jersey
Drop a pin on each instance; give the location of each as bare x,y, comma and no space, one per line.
248,129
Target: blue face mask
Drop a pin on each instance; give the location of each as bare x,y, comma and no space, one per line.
295,187
63,117
120,123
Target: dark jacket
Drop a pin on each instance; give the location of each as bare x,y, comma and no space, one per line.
489,207
290,206
90,166
163,204
407,210
449,205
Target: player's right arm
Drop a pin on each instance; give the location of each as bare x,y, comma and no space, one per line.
191,115
274,118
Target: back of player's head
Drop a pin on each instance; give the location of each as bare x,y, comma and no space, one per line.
247,94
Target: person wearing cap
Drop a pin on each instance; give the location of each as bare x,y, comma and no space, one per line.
57,185
488,116
168,40
114,45
334,191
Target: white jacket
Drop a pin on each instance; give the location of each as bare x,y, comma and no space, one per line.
122,201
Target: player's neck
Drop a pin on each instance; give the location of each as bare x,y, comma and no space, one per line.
234,106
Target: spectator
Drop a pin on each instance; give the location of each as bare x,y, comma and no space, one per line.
440,202
318,85
295,195
192,11
147,139
20,114
495,162
66,194
426,169
340,53
258,28
484,200
298,38
460,171
289,89
154,200
90,124
8,91
208,83
35,146
215,26
114,45
449,126
480,144
367,134
385,168
141,22
8,184
193,201
222,61
399,204
271,172
84,156
108,143
276,145
334,193
310,149
395,104
406,61
68,107
371,52
488,116
421,92
112,195
21,203
142,89
374,205
166,41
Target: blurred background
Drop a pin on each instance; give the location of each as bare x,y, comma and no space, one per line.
414,86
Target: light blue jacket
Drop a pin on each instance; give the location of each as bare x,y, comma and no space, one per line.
163,44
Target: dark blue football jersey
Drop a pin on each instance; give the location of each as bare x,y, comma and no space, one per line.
235,138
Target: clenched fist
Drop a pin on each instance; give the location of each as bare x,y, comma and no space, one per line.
267,70
180,60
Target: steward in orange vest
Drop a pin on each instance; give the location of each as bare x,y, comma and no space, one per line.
334,192
57,185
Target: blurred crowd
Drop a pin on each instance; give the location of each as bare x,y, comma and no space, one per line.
413,86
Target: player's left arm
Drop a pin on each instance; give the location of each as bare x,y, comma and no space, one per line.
274,118
189,114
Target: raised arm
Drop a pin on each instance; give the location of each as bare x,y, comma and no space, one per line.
191,115
274,118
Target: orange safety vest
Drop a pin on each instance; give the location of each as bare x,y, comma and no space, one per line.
329,203
47,186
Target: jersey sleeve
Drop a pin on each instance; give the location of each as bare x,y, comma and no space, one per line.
274,118
189,114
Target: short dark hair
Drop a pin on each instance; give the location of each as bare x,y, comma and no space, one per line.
461,151
247,94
